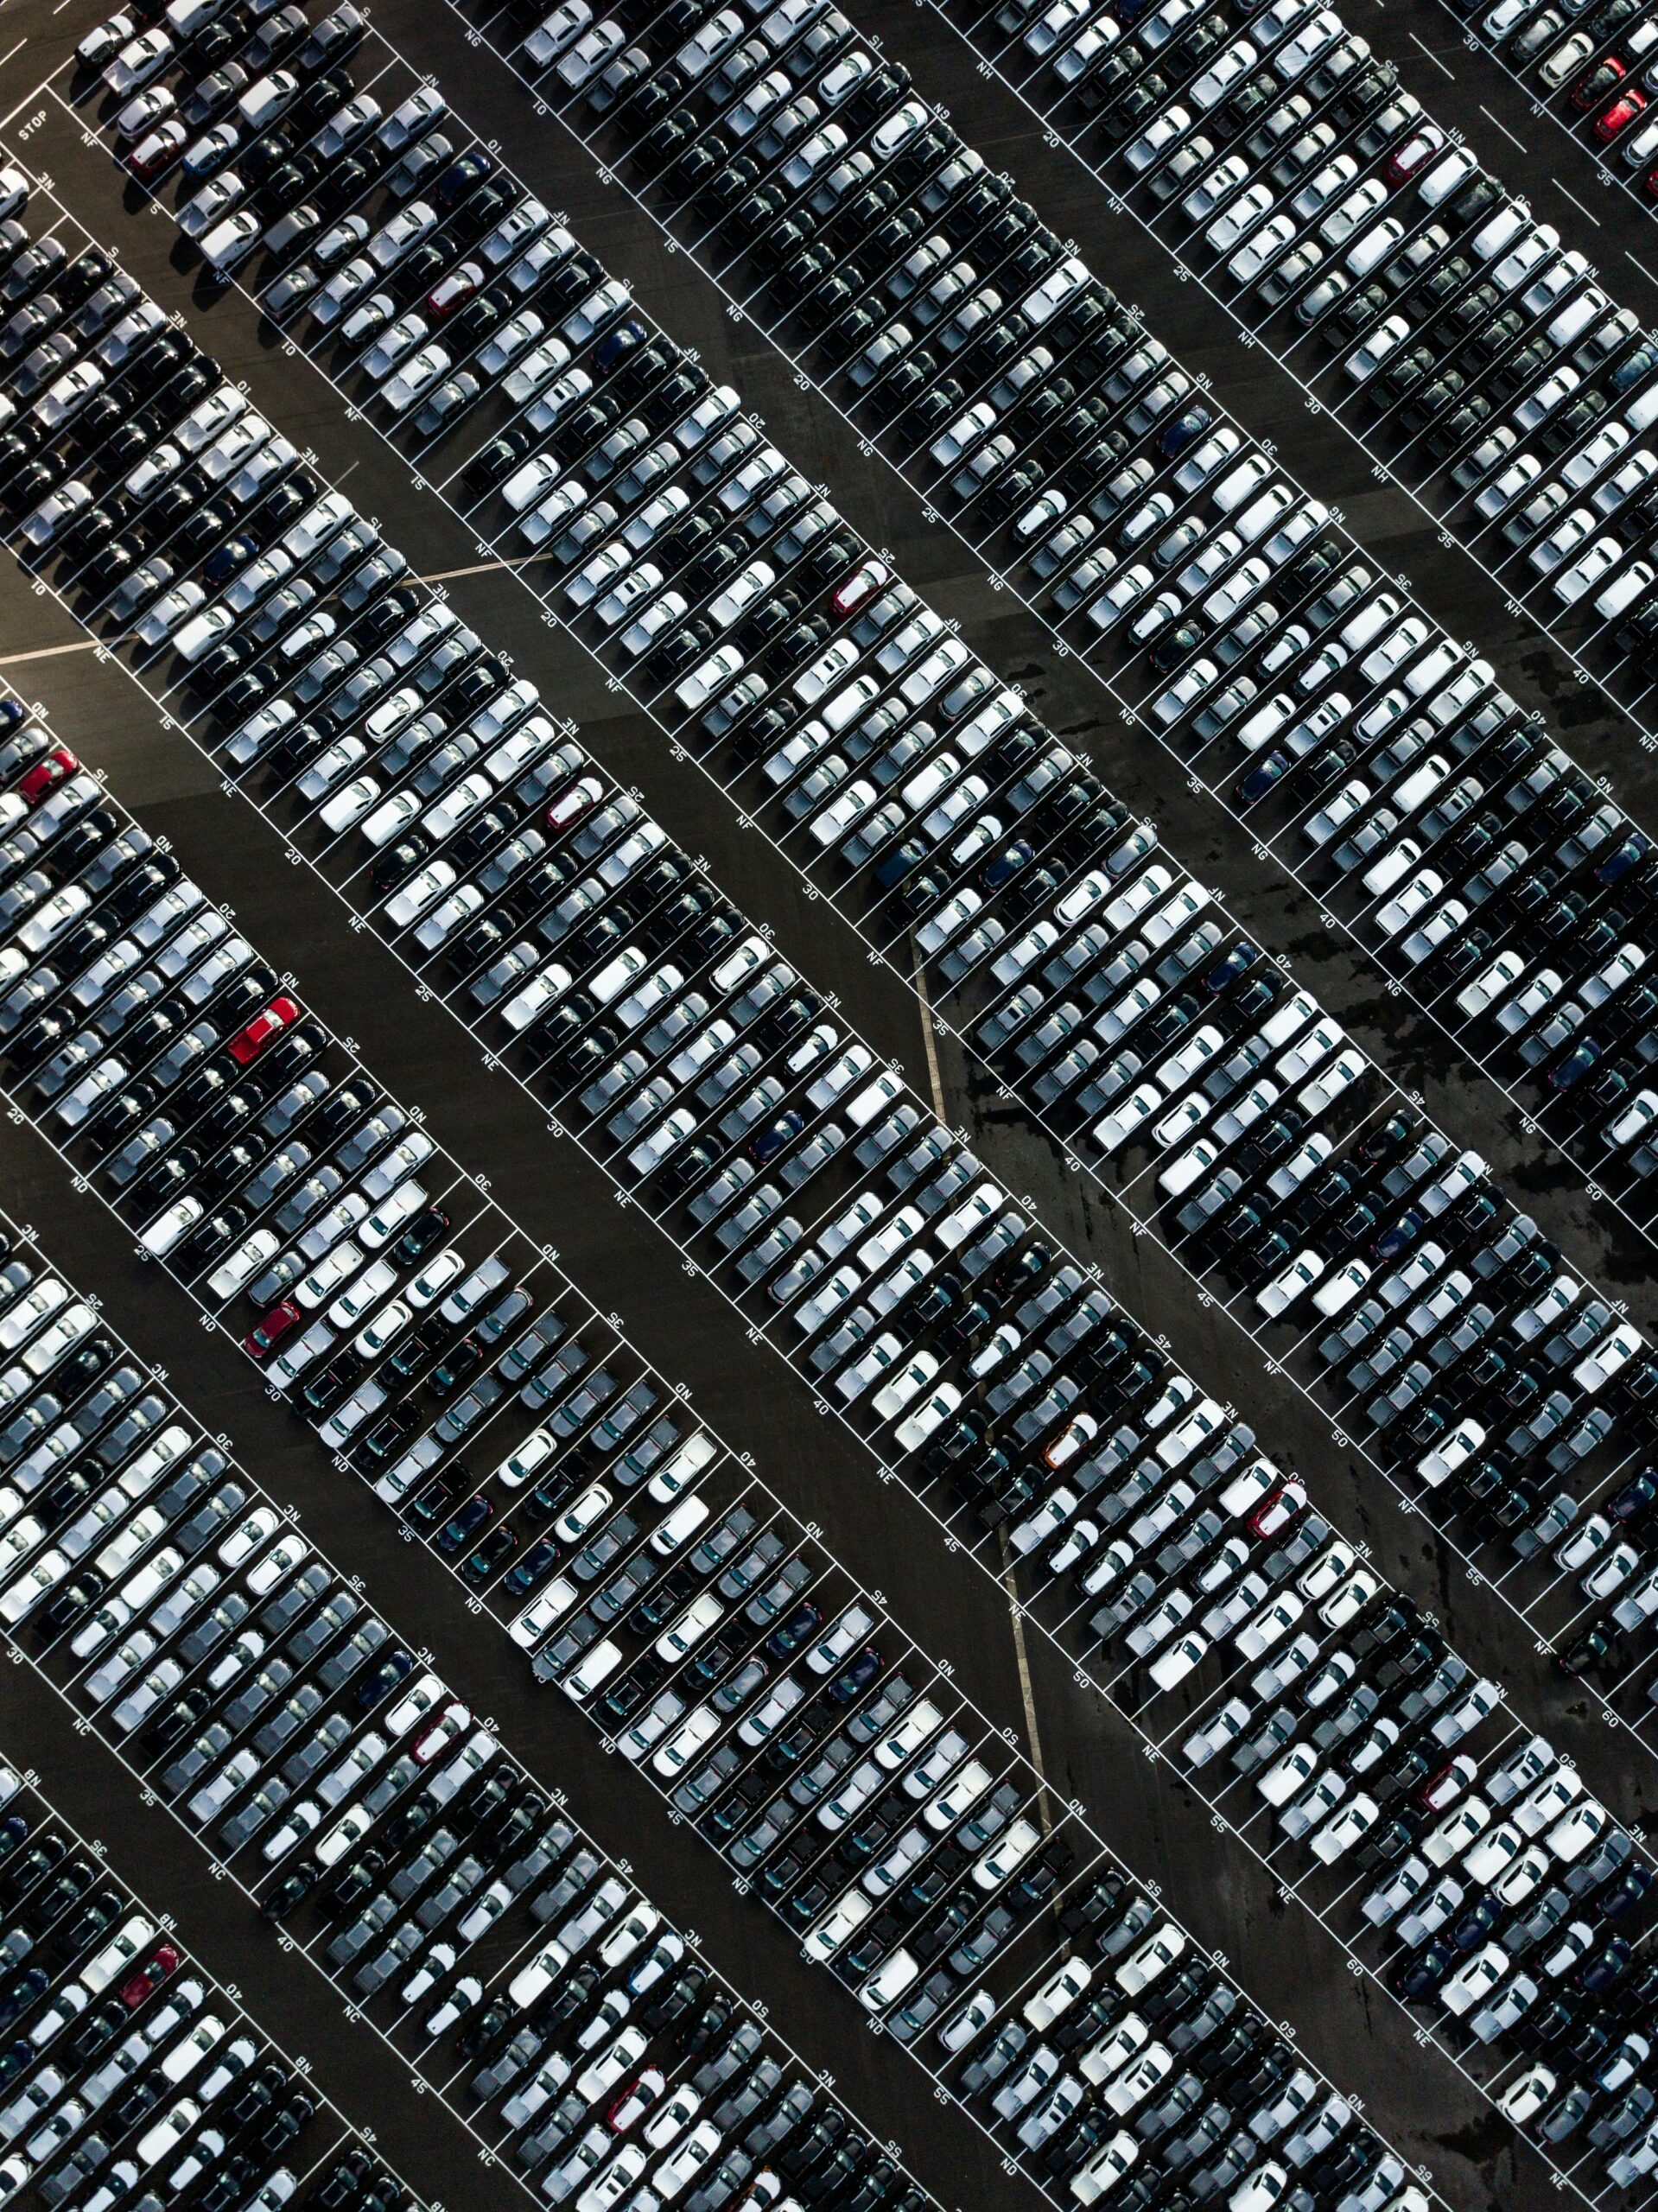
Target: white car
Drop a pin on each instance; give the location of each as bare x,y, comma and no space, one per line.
1234,224
393,344
68,394
137,61
889,1981
1437,1466
1384,341
969,2023
1292,1282
1102,2173
1055,25
1134,2084
171,1228
1588,571
561,29
204,629
215,199
1338,1290
508,342
1113,1129
1219,185
1057,1993
1475,1980
1500,494
1261,249
1007,1855
1528,2094
58,507
229,243
1052,294
695,690
836,1927
592,1671
1267,2188
1152,1957
1492,983
421,113
686,1740
415,378
1349,1825
1172,1666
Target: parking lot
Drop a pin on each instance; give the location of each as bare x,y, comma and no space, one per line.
1082,1747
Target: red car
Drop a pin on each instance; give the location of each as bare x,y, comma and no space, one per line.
1278,1508
157,148
1622,112
568,808
1079,1431
1649,182
637,2098
1599,81
1419,148
51,769
263,1338
438,1734
148,1980
868,578
1443,1787
454,291
247,1043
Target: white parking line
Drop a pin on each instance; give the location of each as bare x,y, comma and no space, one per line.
1501,126
49,652
1434,57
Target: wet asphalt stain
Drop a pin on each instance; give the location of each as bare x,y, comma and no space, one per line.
1541,1171
1573,705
